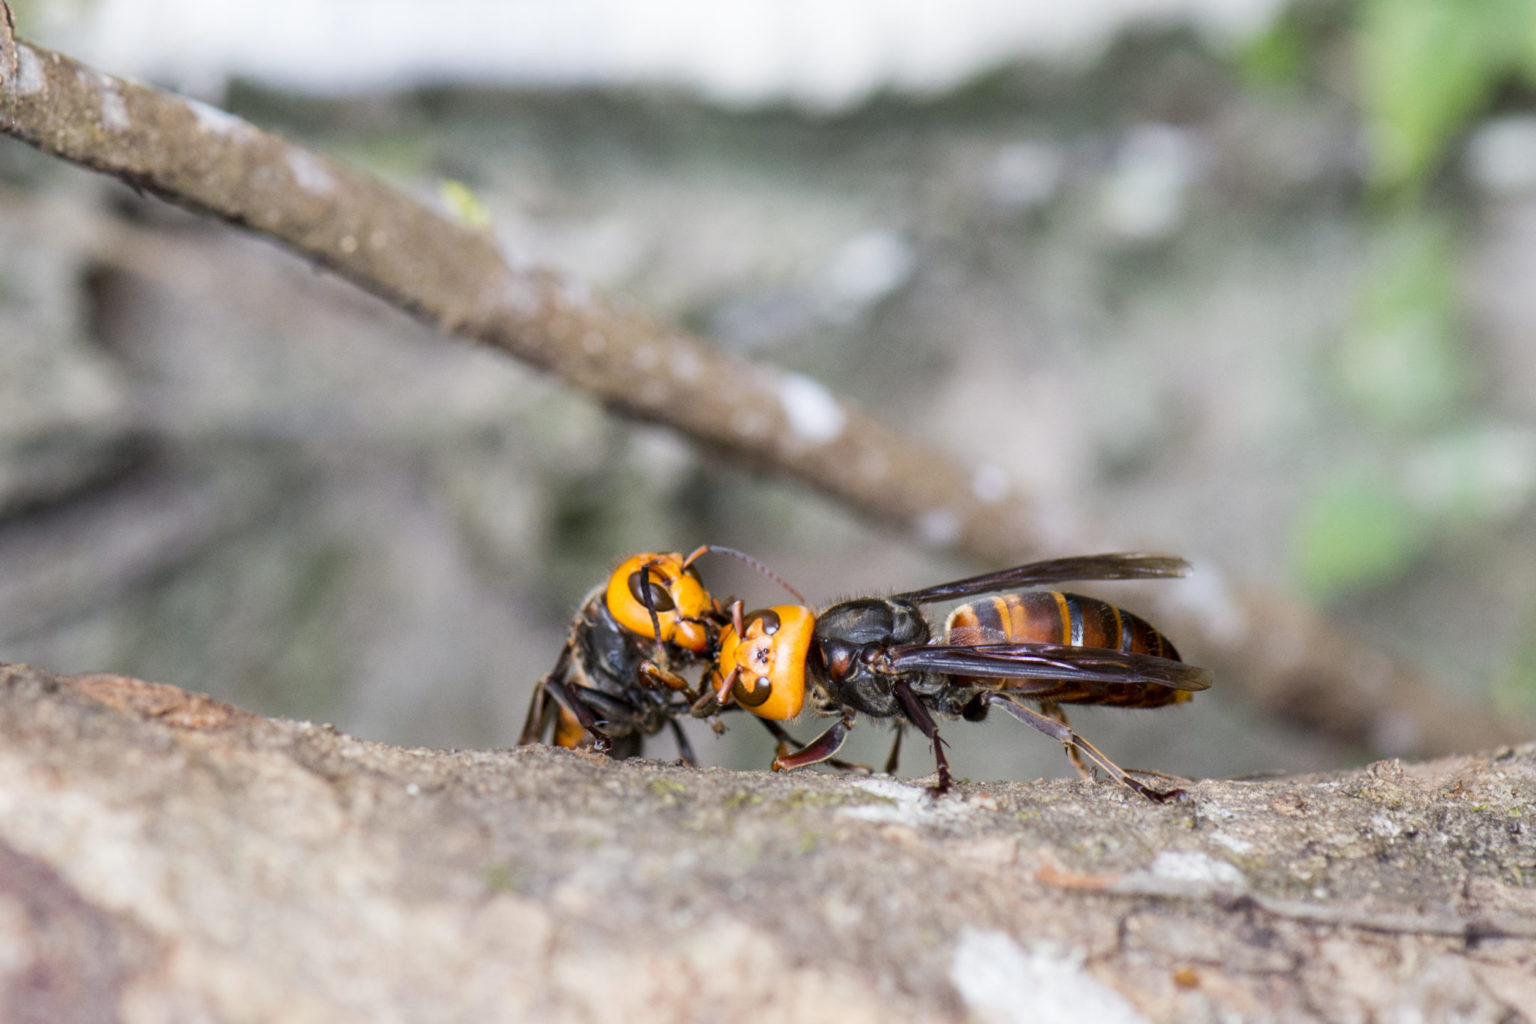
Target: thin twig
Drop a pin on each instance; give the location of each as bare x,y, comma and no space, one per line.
455,278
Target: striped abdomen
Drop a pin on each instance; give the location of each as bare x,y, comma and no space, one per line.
1071,620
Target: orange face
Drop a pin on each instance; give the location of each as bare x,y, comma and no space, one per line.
675,595
768,660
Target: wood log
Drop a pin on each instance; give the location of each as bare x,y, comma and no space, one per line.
167,857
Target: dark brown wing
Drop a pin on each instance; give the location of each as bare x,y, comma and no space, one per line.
1050,662
1120,566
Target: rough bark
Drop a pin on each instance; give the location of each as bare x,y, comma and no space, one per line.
165,857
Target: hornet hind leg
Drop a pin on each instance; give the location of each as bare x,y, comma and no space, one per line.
1058,730
542,708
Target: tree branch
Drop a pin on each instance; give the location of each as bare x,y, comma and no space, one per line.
456,279
167,857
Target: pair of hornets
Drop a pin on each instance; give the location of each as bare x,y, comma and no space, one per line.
619,676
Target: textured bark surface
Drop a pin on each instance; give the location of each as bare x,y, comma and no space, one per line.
165,857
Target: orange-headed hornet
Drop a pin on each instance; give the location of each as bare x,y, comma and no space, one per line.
878,656
618,678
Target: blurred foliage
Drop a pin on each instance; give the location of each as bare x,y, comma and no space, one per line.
1515,690
1358,530
1363,528
463,204
1423,72
1427,67
1276,57
1402,364
1294,48
1472,479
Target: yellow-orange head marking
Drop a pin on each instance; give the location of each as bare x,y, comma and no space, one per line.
675,594
768,660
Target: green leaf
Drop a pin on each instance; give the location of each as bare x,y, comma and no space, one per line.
1426,66
1355,533
1402,362
464,205
1276,56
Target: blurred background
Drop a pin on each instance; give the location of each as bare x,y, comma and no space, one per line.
1243,280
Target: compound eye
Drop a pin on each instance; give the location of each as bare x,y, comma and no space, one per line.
839,659
753,693
650,591
652,597
768,617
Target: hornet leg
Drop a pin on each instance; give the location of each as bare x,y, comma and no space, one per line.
895,756
819,749
584,714
653,675
684,748
919,716
787,743
541,709
1059,732
1052,710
